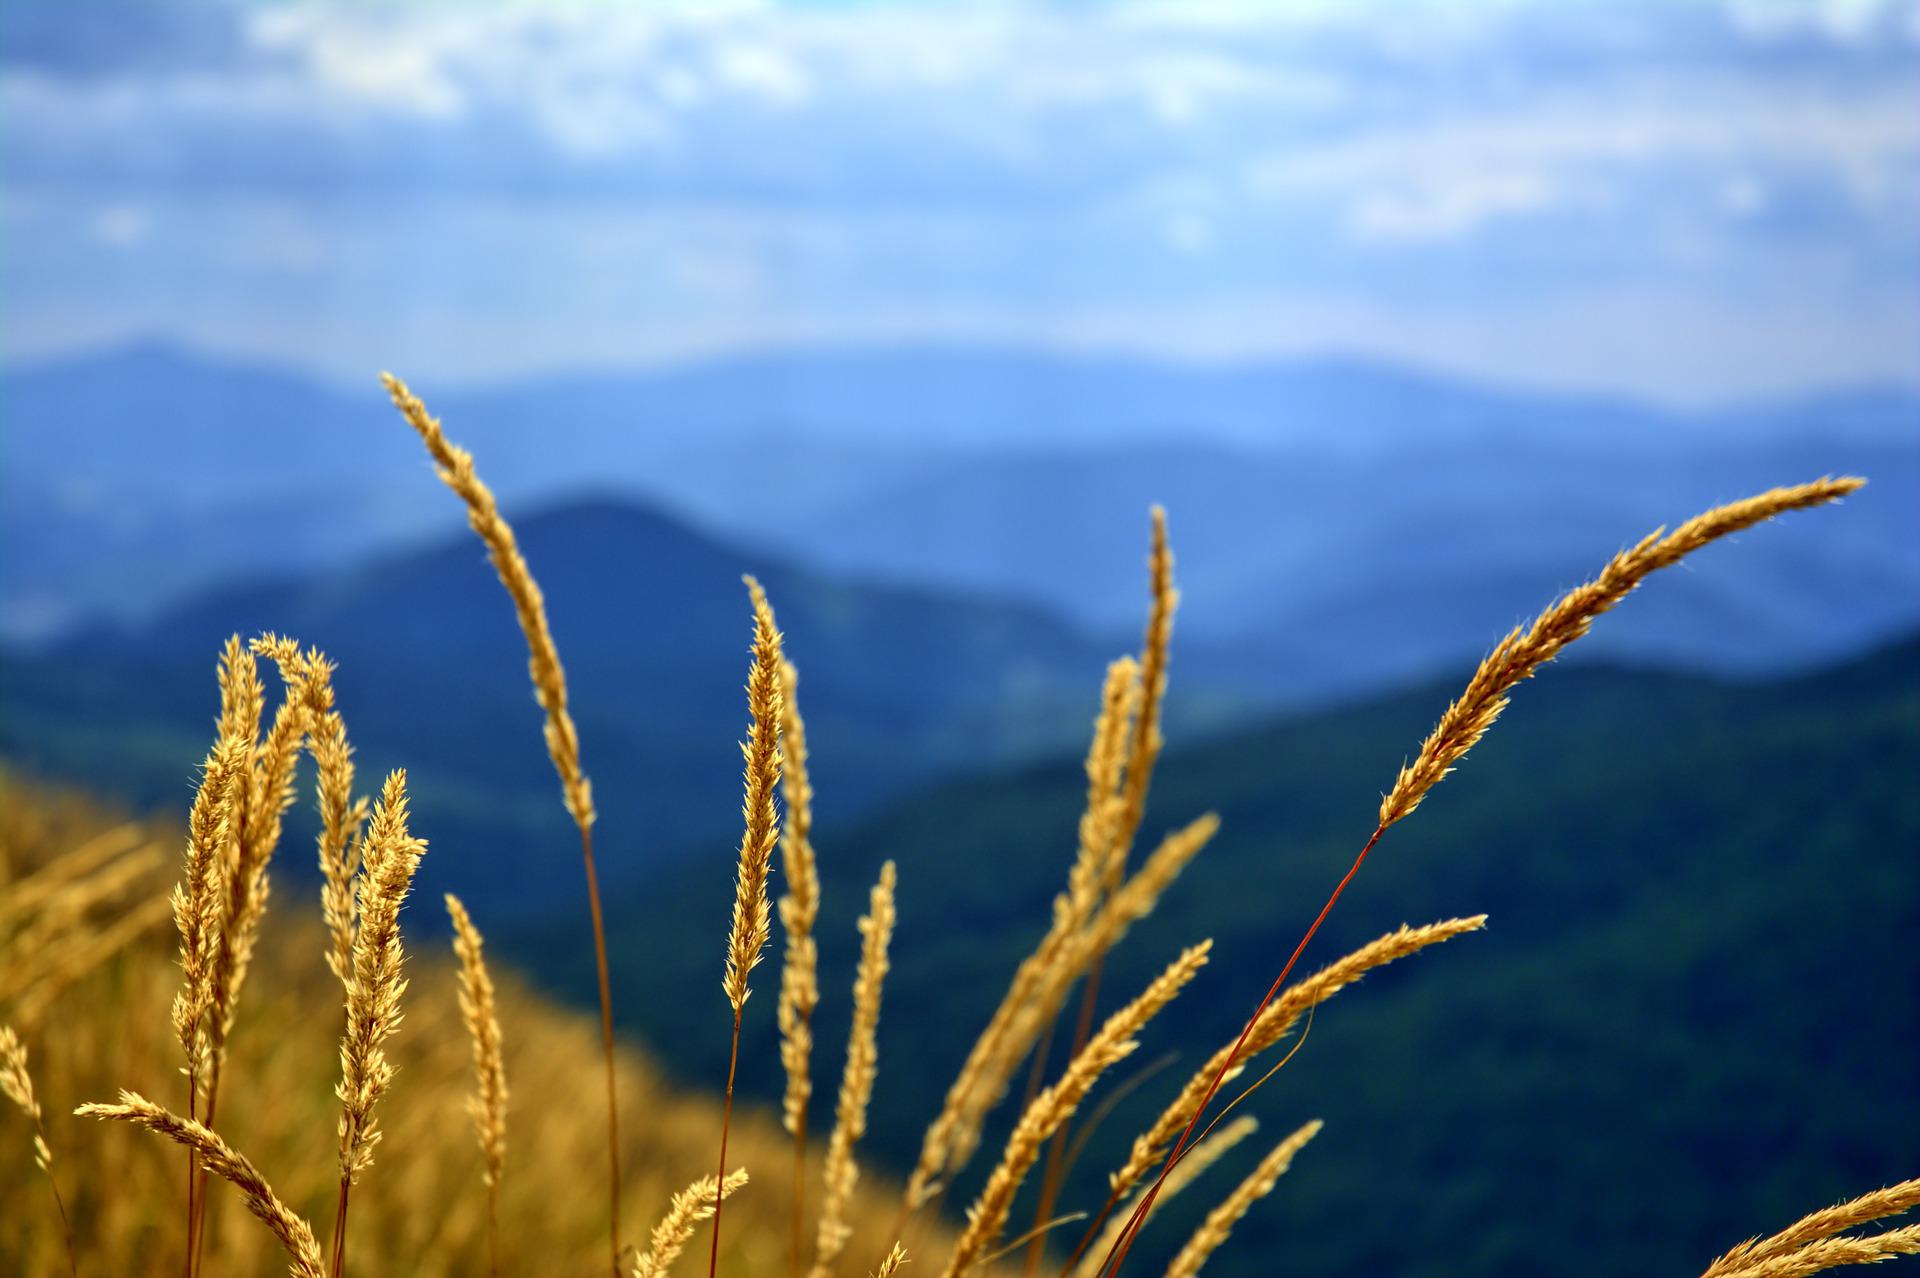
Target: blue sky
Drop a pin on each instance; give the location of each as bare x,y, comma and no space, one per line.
1692,202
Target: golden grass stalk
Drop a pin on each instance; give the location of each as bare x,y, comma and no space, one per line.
67,907
689,1207
1515,658
748,939
309,675
1830,1253
891,1265
293,1232
269,794
1220,1221
80,953
799,974
199,903
954,1133
856,1080
17,1085
1147,741
1130,805
1273,1024
987,1217
455,467
1204,1154
1757,1252
761,750
51,881
488,1105
1032,999
1522,652
374,990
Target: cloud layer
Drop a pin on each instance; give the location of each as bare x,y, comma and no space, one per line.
1680,200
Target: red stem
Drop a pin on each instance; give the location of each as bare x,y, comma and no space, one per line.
726,1121
1110,1267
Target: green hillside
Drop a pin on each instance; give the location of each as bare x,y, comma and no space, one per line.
1692,1016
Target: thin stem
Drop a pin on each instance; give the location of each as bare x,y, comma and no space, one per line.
606,1043
799,1189
336,1264
1057,1148
193,1174
1122,1245
726,1121
493,1231
59,1203
197,1229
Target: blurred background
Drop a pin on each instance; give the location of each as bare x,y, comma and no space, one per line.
1409,313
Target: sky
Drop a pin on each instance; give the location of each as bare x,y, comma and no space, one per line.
1693,203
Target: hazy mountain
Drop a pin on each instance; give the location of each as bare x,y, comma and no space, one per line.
1359,522
653,623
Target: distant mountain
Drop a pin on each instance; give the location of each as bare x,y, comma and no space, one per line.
1344,522
653,623
1692,1013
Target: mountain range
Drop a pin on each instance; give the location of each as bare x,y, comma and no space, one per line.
1349,524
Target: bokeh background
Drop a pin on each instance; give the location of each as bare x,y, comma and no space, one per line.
1409,313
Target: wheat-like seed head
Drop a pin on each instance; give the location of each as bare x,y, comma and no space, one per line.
1757,1252
1220,1221
309,676
215,1154
689,1207
1155,651
198,900
488,1105
761,750
1099,862
891,1265
377,980
16,1084
799,907
1830,1253
1150,1147
1522,652
856,1082
455,467
268,794
987,1217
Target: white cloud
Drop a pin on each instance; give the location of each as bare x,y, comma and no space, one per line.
121,226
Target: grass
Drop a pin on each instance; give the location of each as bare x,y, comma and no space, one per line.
431,1210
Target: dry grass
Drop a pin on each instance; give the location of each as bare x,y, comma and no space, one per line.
421,1210
421,1214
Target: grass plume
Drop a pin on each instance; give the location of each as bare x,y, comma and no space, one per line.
455,467
799,973
689,1207
374,989
488,1105
856,1080
293,1232
748,938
